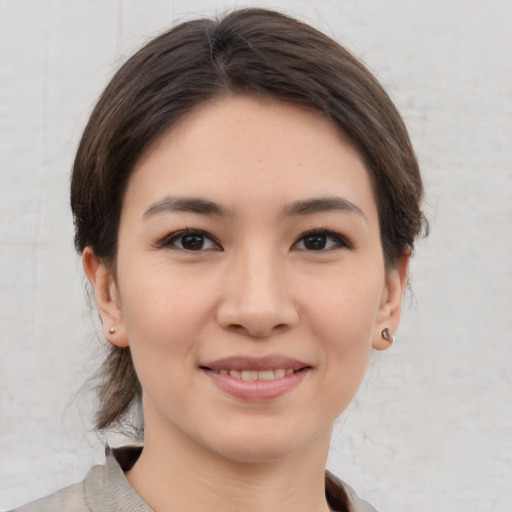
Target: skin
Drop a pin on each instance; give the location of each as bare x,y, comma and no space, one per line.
258,286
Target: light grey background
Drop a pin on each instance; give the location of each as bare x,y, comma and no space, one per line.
431,427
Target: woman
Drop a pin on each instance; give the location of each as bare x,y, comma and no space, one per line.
246,200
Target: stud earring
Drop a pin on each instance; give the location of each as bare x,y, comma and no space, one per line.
112,330
386,334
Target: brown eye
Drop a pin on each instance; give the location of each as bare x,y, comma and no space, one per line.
194,242
189,240
321,240
315,242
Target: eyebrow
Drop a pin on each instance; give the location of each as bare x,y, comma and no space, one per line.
322,204
171,204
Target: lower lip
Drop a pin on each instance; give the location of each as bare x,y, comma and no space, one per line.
257,390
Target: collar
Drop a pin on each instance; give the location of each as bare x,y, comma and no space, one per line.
111,492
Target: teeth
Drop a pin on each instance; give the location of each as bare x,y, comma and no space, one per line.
266,375
278,373
248,375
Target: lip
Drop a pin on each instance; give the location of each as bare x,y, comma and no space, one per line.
255,390
243,362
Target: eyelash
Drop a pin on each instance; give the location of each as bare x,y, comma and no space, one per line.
171,240
340,242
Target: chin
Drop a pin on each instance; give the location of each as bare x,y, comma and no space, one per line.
262,445
257,452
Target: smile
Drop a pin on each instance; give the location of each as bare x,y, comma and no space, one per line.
257,379
277,373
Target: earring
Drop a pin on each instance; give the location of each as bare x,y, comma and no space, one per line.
112,330
386,334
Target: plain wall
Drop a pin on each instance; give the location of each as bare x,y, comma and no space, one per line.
431,426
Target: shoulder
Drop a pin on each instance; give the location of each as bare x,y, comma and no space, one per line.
104,488
72,499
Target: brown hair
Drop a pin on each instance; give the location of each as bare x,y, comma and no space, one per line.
249,51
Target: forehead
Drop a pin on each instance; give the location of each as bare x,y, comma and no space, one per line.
240,149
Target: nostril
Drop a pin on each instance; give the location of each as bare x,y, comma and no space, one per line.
258,329
236,327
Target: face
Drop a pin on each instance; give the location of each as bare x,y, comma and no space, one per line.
250,281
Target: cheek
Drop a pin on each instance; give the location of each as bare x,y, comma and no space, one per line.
345,312
163,324
343,322
347,342
346,351
163,314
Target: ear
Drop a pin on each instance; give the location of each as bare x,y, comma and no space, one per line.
388,315
107,298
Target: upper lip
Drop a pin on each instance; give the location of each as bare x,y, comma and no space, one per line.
245,362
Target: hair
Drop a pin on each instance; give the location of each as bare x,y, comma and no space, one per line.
246,52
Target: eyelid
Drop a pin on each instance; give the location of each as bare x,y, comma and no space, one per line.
341,241
168,241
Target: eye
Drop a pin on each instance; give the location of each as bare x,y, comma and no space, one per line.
190,240
321,240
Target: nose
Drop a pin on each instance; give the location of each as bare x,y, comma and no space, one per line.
257,299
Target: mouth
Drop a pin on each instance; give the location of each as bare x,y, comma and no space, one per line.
256,378
270,374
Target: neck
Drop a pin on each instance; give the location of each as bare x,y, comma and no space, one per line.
175,473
